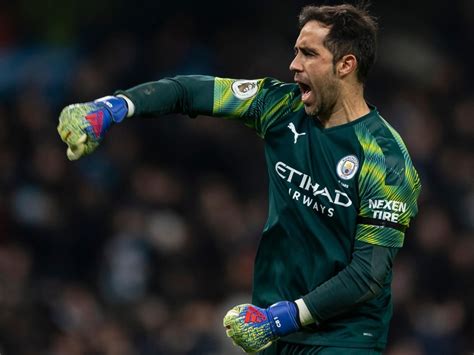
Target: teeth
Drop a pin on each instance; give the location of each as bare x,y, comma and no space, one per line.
305,95
305,91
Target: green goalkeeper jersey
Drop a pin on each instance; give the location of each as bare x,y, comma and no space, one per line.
328,188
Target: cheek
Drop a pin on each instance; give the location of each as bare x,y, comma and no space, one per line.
320,76
330,84
326,91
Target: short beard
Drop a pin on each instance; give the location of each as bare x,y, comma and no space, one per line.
322,112
326,105
314,113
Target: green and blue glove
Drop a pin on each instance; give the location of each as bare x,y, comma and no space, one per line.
254,328
83,126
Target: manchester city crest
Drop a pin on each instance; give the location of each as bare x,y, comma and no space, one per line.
347,167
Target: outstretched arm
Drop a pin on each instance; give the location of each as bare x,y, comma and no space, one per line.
83,126
191,95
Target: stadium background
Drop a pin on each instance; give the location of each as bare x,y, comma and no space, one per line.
141,247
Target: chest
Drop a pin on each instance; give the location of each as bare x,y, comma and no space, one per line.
313,165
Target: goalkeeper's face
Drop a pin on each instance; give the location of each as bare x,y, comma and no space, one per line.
314,70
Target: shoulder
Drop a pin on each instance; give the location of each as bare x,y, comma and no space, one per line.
268,91
383,147
244,88
281,98
276,90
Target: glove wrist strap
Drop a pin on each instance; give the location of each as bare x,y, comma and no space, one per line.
130,105
284,318
117,107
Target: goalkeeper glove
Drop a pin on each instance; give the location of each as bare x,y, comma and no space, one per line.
254,328
83,126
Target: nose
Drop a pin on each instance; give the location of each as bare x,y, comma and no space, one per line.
295,65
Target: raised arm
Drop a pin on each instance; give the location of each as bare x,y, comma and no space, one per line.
83,126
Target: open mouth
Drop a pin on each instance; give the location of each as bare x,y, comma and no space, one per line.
305,91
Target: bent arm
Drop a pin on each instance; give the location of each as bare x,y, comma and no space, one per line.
358,282
388,183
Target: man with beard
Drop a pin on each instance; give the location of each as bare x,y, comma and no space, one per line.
342,185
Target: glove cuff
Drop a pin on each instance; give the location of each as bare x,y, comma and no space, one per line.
117,106
284,318
130,105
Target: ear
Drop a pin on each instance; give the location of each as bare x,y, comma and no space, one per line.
346,65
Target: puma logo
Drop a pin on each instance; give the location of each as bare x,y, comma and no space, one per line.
292,128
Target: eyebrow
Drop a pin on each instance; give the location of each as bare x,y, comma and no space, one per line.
305,49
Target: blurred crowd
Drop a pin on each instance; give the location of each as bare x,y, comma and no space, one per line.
141,247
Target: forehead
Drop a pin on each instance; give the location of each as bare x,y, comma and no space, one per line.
312,35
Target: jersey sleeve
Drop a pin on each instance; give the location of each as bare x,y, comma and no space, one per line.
360,281
257,103
389,187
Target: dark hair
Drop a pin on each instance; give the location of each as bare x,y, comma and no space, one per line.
352,31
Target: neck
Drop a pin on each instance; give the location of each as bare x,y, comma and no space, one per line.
349,107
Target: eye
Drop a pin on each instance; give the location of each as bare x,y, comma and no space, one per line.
308,53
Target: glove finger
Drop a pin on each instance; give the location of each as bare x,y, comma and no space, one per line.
70,155
77,142
74,154
82,139
64,133
265,346
230,317
75,151
64,127
72,137
72,124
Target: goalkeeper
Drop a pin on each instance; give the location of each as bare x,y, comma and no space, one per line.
342,187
